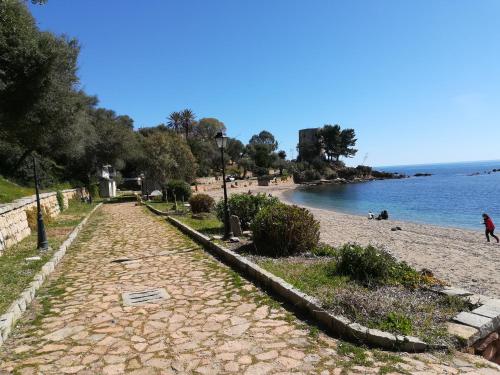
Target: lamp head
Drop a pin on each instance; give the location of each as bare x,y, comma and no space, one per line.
221,140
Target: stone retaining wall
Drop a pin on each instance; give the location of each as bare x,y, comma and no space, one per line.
239,183
14,221
19,306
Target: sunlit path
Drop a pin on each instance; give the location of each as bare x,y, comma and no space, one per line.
203,318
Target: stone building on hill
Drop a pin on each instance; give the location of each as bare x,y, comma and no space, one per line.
308,146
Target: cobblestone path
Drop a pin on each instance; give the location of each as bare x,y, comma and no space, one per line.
213,321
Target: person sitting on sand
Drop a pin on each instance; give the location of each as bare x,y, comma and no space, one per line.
490,228
370,215
384,215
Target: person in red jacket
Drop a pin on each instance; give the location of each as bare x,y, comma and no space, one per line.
490,228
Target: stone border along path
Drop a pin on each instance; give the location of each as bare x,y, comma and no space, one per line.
335,324
470,327
211,321
19,306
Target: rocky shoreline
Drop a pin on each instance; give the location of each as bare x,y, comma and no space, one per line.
355,180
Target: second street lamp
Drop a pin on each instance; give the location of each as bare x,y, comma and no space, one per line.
42,243
221,140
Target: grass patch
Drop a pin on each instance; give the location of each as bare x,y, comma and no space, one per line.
390,369
15,272
357,356
396,322
45,300
168,206
236,279
324,250
161,206
390,307
310,277
206,224
10,191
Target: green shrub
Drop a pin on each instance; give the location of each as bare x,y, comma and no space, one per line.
371,265
201,203
312,175
397,323
282,230
347,173
306,176
266,177
364,170
94,191
181,190
245,206
324,250
60,200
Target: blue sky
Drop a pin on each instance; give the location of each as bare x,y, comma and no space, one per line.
418,80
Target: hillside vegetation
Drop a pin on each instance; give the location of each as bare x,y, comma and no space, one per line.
10,191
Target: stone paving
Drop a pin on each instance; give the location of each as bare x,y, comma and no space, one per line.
211,321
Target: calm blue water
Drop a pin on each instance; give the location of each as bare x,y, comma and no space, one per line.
450,197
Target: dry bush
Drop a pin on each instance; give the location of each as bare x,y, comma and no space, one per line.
32,218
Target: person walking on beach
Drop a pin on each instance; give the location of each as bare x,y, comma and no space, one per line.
490,228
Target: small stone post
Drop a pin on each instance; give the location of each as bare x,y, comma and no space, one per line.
235,226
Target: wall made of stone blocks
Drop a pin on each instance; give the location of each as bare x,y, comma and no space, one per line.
14,221
489,347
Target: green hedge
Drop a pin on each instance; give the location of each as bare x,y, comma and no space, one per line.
283,230
245,206
201,203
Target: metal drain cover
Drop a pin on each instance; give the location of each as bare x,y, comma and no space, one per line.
121,260
144,297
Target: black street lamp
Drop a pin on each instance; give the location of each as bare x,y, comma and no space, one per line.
42,243
221,140
142,177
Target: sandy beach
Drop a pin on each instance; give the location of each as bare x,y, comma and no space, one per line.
459,257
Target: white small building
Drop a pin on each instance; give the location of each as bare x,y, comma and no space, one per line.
107,184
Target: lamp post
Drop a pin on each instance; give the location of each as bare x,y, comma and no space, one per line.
142,177
221,140
42,243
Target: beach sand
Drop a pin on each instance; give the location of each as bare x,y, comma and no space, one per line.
459,257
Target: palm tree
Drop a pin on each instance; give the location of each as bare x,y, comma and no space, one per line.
174,121
187,120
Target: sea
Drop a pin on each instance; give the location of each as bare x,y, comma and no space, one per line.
455,195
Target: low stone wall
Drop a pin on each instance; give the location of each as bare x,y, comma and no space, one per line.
19,306
14,221
335,324
240,183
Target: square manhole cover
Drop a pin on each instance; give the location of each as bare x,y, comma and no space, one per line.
145,296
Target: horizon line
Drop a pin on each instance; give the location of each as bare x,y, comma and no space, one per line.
438,163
